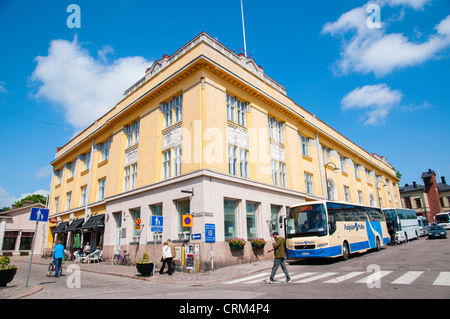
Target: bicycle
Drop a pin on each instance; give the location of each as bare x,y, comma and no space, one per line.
51,268
120,259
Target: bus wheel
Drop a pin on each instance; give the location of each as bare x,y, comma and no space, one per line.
377,245
345,251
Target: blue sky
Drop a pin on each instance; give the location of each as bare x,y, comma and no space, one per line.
385,87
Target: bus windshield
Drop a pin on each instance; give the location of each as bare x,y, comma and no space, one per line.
442,218
309,220
391,219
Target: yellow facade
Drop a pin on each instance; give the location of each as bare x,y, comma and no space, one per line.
268,145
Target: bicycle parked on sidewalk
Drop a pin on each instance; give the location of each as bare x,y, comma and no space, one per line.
120,259
51,268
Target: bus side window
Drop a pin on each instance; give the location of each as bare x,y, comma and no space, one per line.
331,224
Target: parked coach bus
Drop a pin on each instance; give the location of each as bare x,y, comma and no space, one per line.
443,219
334,229
405,221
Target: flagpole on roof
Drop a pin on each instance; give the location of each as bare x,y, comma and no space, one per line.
243,29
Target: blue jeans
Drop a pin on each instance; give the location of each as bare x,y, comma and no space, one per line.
58,262
276,263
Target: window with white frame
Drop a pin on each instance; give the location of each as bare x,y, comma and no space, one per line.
309,183
136,232
171,162
278,173
104,149
276,128
132,133
68,200
237,165
56,205
360,197
83,196
130,178
252,220
236,110
71,168
232,160
305,145
347,193
343,166
58,174
173,111
101,188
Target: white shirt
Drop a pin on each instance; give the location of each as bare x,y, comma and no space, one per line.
166,252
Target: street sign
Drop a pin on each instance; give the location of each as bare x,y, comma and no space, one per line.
210,233
138,221
187,220
39,214
157,224
196,236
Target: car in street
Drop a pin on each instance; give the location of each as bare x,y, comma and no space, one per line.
437,231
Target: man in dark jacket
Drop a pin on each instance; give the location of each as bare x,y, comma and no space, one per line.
279,246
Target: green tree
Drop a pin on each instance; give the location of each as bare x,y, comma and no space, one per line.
36,198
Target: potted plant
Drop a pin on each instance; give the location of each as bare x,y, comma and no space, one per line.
237,243
7,271
145,265
258,243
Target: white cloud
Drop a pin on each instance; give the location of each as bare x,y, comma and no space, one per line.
44,172
6,199
2,87
373,50
84,87
376,100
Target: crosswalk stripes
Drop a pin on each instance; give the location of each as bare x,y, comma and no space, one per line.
443,279
407,278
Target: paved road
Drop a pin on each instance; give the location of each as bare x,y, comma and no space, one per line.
417,270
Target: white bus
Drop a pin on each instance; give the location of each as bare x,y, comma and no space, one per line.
424,226
404,220
443,219
334,229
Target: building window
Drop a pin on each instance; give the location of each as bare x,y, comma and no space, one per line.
305,145
83,196
101,188
177,161
104,149
309,183
343,166
183,208
130,177
360,197
372,200
274,172
276,130
236,109
71,167
173,111
136,233
9,240
166,164
68,200
347,193
418,203
58,174
132,133
408,202
331,189
26,239
275,217
252,221
230,217
232,160
243,163
282,174
56,205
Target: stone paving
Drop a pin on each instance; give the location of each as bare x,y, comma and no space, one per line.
201,278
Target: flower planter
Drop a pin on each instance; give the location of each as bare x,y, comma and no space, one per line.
145,269
6,276
235,247
256,246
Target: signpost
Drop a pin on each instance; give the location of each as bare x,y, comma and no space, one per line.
156,225
210,233
37,215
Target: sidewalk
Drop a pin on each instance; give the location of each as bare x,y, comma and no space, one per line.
202,278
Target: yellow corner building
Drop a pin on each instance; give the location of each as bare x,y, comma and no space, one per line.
204,133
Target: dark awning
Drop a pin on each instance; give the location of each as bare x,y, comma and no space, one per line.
61,226
96,221
75,225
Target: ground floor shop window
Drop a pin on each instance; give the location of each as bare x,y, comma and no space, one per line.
10,239
26,239
252,224
183,208
230,217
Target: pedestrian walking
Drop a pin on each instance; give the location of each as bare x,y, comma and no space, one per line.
166,257
58,254
173,251
279,246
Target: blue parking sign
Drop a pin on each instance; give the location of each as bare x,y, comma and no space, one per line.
39,214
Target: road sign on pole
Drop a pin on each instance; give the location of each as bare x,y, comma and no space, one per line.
39,214
157,224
